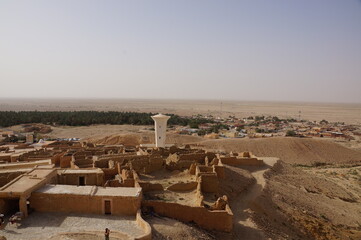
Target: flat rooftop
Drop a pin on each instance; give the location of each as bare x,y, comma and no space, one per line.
27,182
25,164
76,171
90,190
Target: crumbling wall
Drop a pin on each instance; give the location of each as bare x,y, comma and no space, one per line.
92,179
150,187
220,220
109,173
56,158
219,169
154,164
181,187
196,157
209,182
6,177
65,161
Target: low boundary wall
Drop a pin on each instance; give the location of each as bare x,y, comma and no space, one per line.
145,226
220,220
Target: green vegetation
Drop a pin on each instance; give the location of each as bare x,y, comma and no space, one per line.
290,133
86,118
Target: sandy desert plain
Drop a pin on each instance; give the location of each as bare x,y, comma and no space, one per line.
292,197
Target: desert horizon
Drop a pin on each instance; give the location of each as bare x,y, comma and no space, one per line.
335,112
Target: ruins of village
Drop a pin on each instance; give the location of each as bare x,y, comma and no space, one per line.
74,177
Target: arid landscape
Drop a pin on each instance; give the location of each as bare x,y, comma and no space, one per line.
172,120
309,188
335,112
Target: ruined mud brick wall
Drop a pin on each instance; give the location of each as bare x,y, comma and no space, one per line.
22,146
182,187
16,157
180,165
117,183
94,151
220,220
65,160
127,178
174,149
5,158
91,178
146,163
82,159
113,183
219,169
203,169
36,155
211,155
109,173
102,161
199,195
160,151
195,157
180,162
150,187
207,178
6,177
72,203
155,163
55,159
146,186
113,149
209,182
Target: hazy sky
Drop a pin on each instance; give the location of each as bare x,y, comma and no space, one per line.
198,49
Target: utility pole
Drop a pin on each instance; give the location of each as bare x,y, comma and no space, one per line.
221,109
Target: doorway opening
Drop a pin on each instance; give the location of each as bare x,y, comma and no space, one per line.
107,207
81,181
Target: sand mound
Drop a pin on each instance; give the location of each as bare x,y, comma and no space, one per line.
142,138
236,182
298,205
290,150
126,139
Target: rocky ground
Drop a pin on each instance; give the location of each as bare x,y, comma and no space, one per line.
298,204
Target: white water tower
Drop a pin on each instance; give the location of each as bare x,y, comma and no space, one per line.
160,127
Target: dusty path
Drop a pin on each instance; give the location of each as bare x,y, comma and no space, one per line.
244,227
43,225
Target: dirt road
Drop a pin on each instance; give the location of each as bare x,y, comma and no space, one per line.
244,227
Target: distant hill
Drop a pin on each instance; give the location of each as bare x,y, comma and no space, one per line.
290,150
